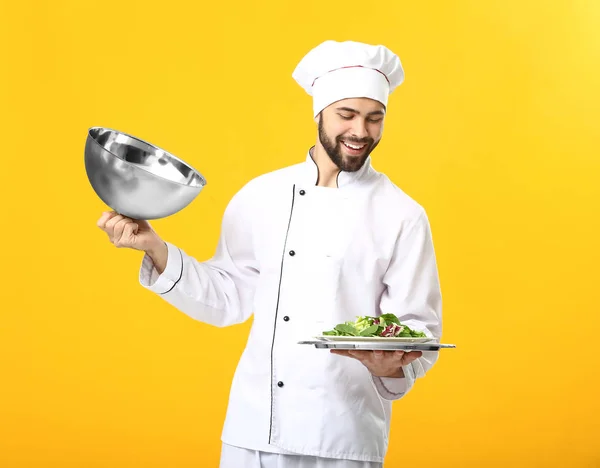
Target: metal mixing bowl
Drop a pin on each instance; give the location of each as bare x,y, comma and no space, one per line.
136,178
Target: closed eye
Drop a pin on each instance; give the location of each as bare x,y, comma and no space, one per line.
350,117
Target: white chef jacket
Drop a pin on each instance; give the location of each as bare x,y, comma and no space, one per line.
303,258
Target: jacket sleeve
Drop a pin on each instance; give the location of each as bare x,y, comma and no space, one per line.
220,290
413,294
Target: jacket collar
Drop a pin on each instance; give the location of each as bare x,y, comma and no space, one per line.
311,172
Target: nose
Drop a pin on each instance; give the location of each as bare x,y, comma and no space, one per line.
359,128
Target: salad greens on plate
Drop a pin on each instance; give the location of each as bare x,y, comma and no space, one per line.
386,325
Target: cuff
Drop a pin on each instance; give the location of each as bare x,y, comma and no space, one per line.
393,388
165,282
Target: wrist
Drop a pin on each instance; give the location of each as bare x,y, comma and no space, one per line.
158,253
155,248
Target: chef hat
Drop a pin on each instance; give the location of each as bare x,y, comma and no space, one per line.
340,70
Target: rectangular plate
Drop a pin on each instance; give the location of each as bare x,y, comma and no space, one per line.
371,346
375,339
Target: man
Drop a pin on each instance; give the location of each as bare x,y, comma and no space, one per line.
304,248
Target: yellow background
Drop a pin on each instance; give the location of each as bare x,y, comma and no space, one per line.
495,131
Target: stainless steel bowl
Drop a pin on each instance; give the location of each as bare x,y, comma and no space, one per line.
136,178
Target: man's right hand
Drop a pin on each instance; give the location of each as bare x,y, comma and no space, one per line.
124,232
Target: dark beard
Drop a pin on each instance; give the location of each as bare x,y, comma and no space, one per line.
334,150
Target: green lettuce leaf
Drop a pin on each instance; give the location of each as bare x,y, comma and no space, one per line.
370,331
365,326
346,329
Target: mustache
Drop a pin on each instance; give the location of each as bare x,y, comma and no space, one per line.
356,140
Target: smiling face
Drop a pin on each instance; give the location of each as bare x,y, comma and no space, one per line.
349,130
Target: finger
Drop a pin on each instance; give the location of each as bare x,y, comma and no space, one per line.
348,353
397,357
411,356
378,356
118,229
110,225
387,357
127,238
341,352
107,215
359,354
129,232
131,229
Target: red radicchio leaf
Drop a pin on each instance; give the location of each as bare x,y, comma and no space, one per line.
392,330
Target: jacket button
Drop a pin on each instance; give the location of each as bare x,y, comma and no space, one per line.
302,192
280,384
292,253
286,318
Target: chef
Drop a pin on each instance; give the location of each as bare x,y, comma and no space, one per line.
302,249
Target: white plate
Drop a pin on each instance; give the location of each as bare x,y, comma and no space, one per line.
375,339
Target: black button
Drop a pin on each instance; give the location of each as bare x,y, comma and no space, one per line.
286,318
280,383
302,192
292,253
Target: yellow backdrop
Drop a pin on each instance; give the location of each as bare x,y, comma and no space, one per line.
495,132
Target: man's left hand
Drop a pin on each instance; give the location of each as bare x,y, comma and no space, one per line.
381,363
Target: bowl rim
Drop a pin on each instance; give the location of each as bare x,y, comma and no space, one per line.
135,166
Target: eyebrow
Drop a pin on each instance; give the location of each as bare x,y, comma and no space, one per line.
349,109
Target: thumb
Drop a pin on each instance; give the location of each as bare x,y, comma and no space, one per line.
128,235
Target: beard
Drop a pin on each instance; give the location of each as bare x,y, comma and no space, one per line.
333,149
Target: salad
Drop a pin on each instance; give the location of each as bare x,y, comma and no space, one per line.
387,325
